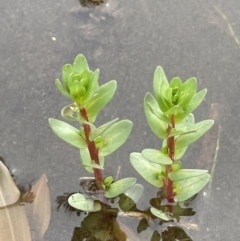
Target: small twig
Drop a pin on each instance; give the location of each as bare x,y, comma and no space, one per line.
118,172
215,158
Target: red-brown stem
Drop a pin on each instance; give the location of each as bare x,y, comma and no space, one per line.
168,184
92,150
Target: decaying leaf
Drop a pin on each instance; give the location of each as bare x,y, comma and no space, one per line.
9,192
17,218
14,224
39,212
13,221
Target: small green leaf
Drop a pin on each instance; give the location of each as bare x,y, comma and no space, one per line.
176,166
189,90
178,154
148,170
67,71
86,159
185,173
68,133
158,127
80,64
120,187
190,86
87,162
93,84
115,136
187,188
188,121
107,182
84,203
98,142
156,156
98,131
176,84
160,85
175,110
160,214
69,113
168,95
100,98
193,104
77,91
61,88
153,106
196,100
197,130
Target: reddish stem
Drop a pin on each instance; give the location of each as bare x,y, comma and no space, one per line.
92,150
168,183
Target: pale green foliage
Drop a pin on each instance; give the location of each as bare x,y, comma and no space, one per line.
100,98
196,131
154,118
80,84
116,188
150,171
188,187
169,116
68,133
177,98
156,156
160,214
84,203
115,136
87,161
98,131
185,173
88,96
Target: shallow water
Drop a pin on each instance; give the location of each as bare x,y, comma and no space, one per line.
126,39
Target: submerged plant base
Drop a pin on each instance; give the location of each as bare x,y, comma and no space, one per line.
104,225
99,226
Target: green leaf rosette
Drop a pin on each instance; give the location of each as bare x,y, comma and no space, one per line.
79,82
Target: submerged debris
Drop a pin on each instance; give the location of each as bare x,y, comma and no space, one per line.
90,3
62,201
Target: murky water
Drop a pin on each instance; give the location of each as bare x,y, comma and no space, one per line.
126,39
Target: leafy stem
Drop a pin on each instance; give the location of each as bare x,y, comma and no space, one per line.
93,150
168,183
80,84
169,115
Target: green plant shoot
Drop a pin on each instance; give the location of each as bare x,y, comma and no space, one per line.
169,115
81,86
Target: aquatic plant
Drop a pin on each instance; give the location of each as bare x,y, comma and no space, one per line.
169,115
81,86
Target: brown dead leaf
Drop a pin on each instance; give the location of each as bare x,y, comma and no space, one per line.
9,192
39,212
